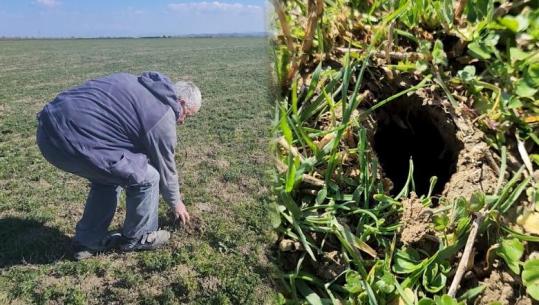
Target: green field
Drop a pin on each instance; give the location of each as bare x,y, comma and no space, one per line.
221,156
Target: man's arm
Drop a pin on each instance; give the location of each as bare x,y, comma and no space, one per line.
160,144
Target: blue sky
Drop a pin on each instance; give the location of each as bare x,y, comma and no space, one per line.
66,18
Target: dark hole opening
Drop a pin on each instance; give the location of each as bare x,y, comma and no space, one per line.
405,130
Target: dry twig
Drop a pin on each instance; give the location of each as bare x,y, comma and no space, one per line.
284,25
306,178
461,269
292,149
459,8
506,7
316,9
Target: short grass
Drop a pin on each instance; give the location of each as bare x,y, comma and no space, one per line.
221,156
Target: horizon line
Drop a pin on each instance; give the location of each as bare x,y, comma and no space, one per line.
198,35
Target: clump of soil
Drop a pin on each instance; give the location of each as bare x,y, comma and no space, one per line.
475,165
331,265
288,245
195,226
524,301
416,220
499,288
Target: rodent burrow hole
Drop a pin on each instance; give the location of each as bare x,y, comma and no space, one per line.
407,129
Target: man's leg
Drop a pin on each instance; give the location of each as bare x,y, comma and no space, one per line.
100,207
100,204
140,226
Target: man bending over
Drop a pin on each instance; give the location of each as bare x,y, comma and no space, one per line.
119,131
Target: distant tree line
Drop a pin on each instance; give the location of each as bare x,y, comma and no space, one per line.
209,35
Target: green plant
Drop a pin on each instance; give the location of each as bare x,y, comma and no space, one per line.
338,64
530,276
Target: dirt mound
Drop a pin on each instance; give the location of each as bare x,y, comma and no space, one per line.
499,289
475,166
524,301
332,264
195,226
416,221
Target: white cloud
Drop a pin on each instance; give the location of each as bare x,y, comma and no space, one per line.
133,11
48,3
214,6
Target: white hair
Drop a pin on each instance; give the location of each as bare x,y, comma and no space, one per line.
190,93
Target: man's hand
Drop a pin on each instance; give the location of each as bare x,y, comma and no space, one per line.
181,212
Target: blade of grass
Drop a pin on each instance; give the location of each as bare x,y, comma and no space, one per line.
291,174
370,293
304,241
363,165
504,207
312,297
314,82
433,181
421,84
519,235
503,168
346,118
294,96
506,189
406,188
309,109
285,128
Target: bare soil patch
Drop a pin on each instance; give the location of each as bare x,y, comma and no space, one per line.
499,288
475,168
332,264
195,227
416,220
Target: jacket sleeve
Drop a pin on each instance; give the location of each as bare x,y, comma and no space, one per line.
160,144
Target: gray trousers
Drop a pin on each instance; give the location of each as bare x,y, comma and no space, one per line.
141,199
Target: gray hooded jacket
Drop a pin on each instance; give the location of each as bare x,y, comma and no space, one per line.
118,124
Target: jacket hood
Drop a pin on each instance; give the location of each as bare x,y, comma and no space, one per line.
162,88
